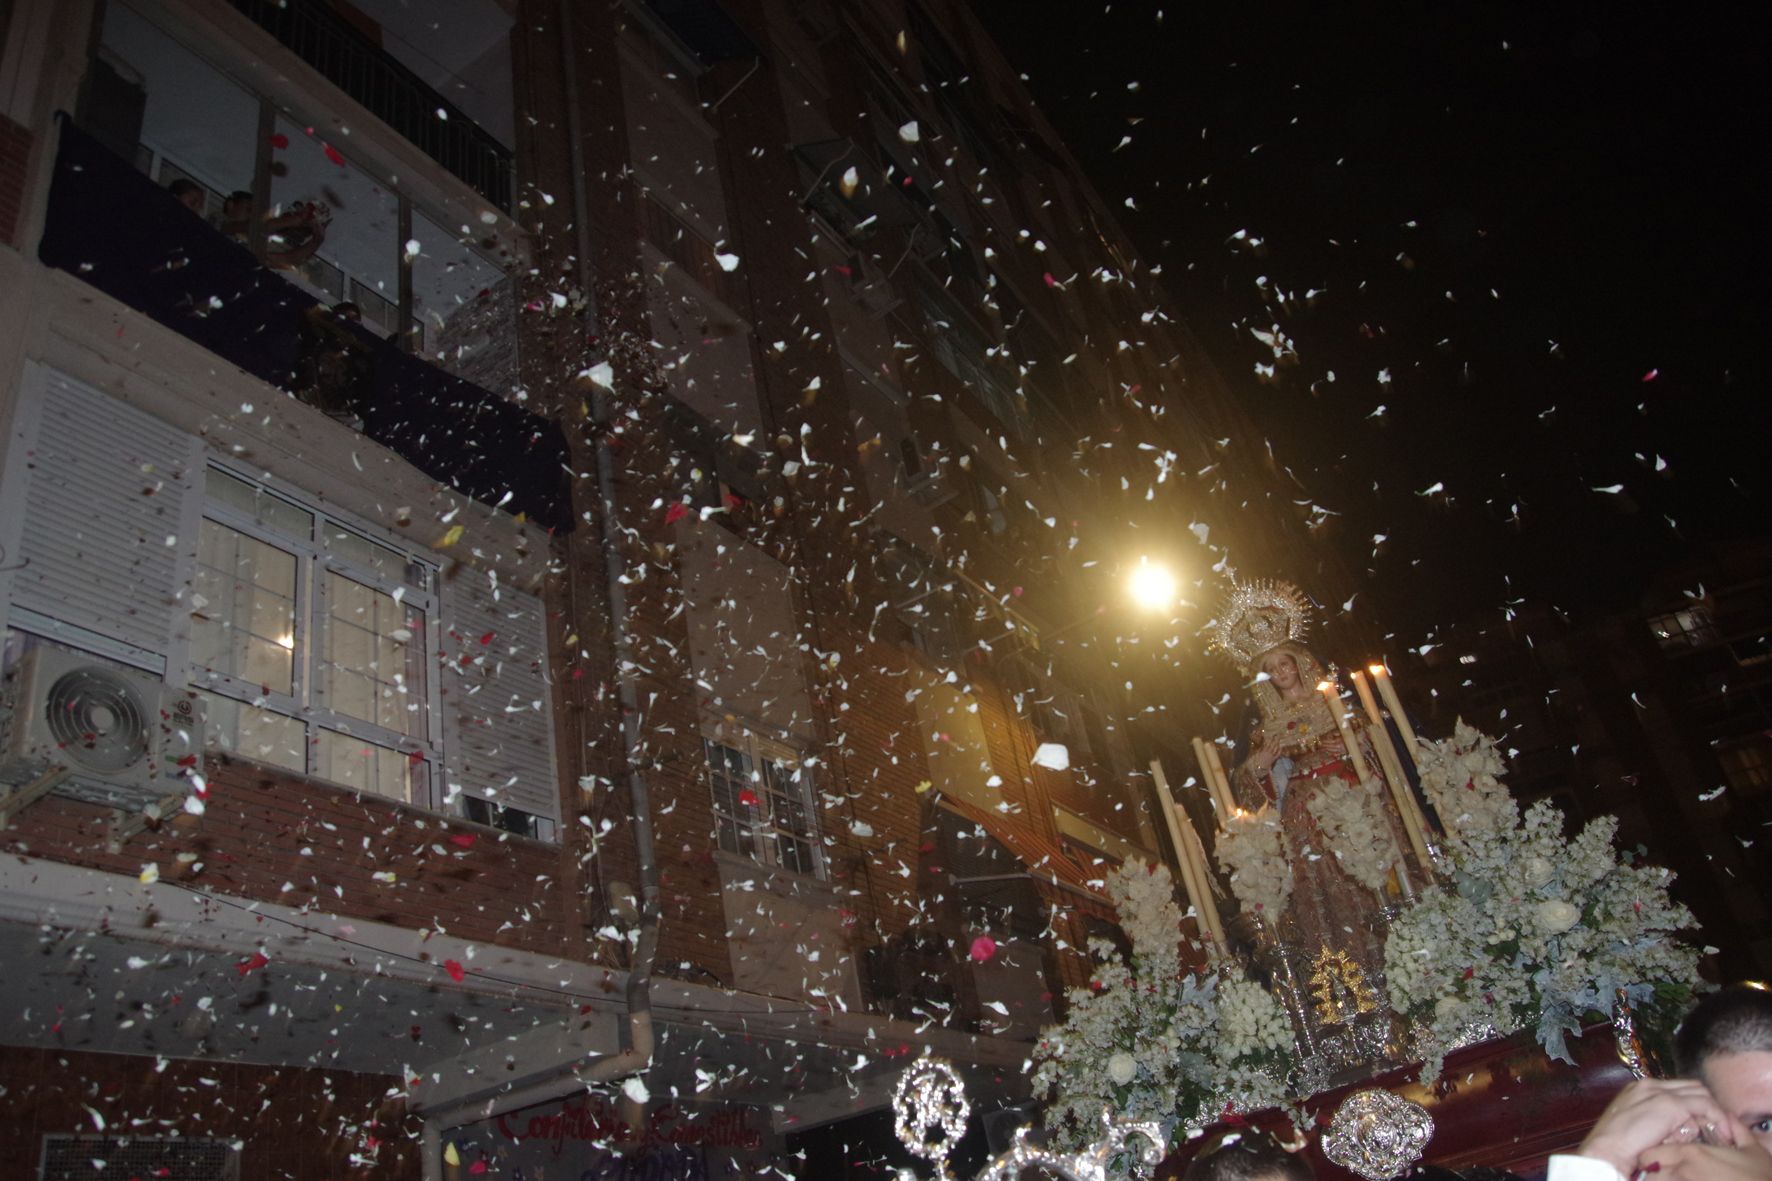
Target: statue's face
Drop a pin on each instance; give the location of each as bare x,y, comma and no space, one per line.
1281,669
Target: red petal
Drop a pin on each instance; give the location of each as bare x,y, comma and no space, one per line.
279,141
456,972
748,798
332,154
464,839
676,513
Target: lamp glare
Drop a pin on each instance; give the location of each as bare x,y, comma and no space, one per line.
1152,586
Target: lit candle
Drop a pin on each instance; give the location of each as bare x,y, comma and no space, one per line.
1366,699
1192,878
1355,758
1388,691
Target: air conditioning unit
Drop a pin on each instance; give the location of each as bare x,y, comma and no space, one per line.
125,739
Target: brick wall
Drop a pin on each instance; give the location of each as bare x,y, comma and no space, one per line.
264,830
297,1125
15,155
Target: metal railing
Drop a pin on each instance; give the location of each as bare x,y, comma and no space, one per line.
391,92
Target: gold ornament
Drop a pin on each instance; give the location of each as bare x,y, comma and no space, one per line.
1339,988
1258,617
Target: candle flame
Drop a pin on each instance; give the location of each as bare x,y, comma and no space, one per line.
1324,686
1376,670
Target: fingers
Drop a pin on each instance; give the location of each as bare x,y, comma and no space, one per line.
1654,1112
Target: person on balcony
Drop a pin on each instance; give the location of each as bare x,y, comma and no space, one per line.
291,237
190,194
333,362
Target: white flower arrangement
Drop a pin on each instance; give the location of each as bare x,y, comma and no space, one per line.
1356,829
1535,930
1252,850
1147,1041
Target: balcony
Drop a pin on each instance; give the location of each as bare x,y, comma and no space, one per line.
398,97
131,239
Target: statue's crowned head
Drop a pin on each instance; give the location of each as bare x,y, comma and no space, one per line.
1260,624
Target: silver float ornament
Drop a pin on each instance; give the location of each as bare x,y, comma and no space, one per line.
1378,1134
929,1116
930,1110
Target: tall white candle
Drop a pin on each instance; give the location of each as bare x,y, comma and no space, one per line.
1355,758
1209,780
1414,823
1221,781
1388,691
1197,853
1192,877
1366,700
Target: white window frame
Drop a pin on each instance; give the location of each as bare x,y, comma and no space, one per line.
305,704
763,836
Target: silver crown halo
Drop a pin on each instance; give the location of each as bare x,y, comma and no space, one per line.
929,1116
1257,617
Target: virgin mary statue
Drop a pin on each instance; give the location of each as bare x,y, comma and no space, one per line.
1330,934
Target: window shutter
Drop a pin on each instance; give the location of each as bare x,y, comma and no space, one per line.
104,488
498,740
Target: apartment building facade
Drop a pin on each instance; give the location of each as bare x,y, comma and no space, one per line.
533,541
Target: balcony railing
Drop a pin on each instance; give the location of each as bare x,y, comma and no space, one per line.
683,244
134,241
391,92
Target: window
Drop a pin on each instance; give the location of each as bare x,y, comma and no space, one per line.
962,349
1685,630
763,804
102,1158
911,456
1746,765
311,641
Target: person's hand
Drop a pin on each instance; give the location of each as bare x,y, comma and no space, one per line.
1706,1162
1652,1113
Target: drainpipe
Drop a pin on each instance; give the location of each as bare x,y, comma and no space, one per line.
638,1037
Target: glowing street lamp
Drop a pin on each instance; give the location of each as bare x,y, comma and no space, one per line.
1152,586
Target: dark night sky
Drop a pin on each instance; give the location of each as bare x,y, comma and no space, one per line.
1596,169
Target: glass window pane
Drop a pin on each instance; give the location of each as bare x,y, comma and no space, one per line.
257,734
352,762
271,511
465,304
373,664
192,112
243,621
355,213
367,555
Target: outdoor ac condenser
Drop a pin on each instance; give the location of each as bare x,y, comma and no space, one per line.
126,739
